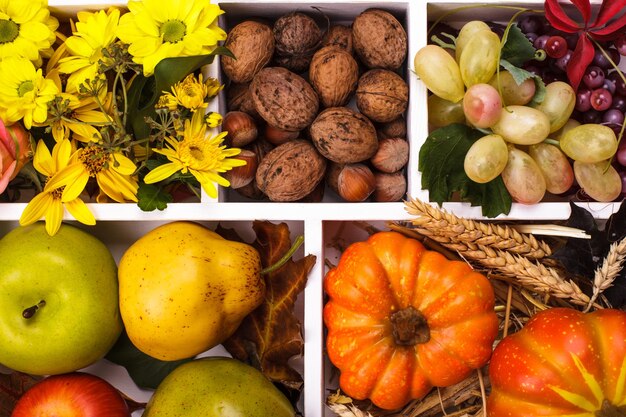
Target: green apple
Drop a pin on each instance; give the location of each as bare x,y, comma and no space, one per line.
59,298
217,387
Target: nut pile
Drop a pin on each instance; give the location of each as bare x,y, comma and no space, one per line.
317,104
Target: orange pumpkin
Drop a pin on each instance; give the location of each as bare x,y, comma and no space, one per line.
402,319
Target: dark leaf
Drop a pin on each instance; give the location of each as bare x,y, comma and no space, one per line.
517,49
558,18
145,92
441,163
12,386
151,197
271,335
580,60
144,370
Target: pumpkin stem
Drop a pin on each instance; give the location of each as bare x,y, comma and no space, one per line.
610,410
409,327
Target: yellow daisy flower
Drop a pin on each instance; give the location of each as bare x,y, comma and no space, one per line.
82,117
205,158
26,29
190,93
213,119
94,32
48,203
158,29
112,170
24,92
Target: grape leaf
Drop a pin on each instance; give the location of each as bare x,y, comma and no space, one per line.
151,197
144,370
12,386
441,164
271,335
520,75
517,49
581,257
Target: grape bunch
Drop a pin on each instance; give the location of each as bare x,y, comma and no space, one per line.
601,96
534,147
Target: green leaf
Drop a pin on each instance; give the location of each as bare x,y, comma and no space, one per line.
151,197
520,75
144,370
540,91
441,163
517,49
144,92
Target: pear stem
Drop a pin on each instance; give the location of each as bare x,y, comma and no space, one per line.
283,260
30,311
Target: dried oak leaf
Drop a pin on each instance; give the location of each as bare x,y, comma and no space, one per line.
271,335
12,386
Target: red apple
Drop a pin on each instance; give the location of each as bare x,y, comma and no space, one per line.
76,394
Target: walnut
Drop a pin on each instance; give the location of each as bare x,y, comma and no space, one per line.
344,135
382,95
339,35
290,171
238,98
334,74
252,43
284,99
379,39
297,37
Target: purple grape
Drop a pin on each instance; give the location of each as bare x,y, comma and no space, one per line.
594,77
548,76
533,69
562,62
592,116
572,40
622,175
619,102
620,44
613,117
620,85
601,99
540,42
530,24
601,61
583,99
609,85
531,36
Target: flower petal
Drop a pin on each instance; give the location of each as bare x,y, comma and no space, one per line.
6,176
54,217
610,31
36,208
42,161
120,188
581,58
162,172
608,10
558,18
122,164
79,210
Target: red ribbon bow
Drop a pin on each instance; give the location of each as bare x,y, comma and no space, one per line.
611,18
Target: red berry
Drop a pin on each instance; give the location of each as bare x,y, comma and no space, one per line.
556,46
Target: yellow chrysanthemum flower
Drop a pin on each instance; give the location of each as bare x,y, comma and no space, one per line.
26,29
205,158
113,171
213,119
190,93
24,92
81,117
48,203
158,29
94,32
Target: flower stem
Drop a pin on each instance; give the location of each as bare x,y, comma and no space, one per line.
283,260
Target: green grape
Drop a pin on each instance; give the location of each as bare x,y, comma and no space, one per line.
570,124
482,105
554,166
486,158
523,178
443,112
589,143
599,180
522,125
466,33
439,72
480,58
558,104
511,92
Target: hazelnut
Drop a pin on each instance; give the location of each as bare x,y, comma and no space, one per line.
277,136
389,187
392,155
251,191
393,129
355,182
241,128
243,175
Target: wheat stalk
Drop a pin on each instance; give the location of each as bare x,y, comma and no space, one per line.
606,274
469,235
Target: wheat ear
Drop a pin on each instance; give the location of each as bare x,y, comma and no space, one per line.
606,274
445,227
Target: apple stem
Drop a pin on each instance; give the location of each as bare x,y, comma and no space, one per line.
30,311
283,260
